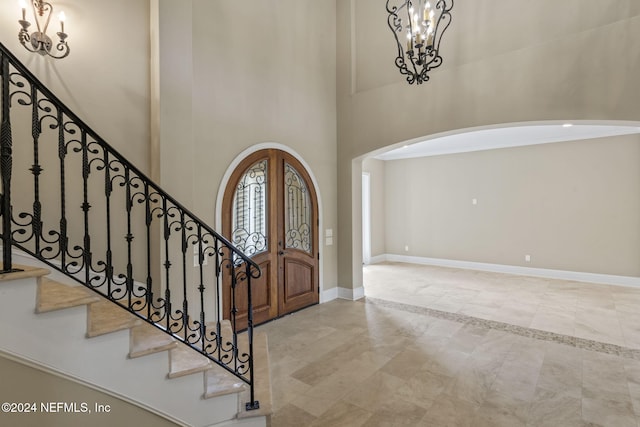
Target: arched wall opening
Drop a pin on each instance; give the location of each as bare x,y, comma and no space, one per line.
553,199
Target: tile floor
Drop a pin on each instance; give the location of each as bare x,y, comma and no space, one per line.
432,346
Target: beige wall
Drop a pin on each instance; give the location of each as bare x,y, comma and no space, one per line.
277,72
228,77
504,63
30,385
105,78
105,82
376,170
571,206
248,75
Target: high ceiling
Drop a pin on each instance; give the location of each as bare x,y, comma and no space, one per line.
504,137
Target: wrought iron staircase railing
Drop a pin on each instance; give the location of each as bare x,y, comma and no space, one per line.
73,202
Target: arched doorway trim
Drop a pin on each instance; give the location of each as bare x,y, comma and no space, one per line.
265,145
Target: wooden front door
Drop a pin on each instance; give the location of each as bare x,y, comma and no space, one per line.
270,212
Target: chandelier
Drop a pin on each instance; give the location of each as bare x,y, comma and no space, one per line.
417,26
39,41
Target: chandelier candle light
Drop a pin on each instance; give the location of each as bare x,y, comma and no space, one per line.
418,26
39,41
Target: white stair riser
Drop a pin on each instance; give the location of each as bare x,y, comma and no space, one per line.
57,340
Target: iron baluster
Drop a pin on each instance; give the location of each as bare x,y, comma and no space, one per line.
62,153
253,403
62,233
6,165
129,236
218,284
148,219
234,311
201,288
167,265
86,251
108,190
185,306
36,169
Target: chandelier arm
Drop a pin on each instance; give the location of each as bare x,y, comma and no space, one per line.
412,54
445,16
47,8
63,47
28,48
35,14
395,24
24,38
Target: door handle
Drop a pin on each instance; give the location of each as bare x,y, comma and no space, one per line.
281,252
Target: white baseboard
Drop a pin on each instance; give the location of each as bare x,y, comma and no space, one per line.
606,279
351,294
378,258
328,295
342,293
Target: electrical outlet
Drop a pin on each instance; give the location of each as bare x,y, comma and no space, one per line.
406,248
527,258
196,256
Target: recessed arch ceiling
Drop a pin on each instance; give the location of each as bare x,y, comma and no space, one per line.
505,137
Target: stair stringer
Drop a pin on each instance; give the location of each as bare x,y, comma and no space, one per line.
57,341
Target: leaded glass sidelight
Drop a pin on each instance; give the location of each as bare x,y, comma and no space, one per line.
249,219
297,211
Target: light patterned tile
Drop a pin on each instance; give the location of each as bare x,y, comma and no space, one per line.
554,408
291,416
374,391
608,412
396,412
450,411
500,410
341,414
411,344
424,387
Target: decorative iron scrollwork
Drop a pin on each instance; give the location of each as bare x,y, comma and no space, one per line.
417,27
86,211
249,222
298,211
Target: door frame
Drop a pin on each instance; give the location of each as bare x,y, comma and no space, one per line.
225,181
366,218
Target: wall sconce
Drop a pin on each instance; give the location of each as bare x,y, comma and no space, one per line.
39,41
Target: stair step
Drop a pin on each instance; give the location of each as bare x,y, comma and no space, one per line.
26,271
104,317
146,339
218,382
186,361
262,374
52,295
